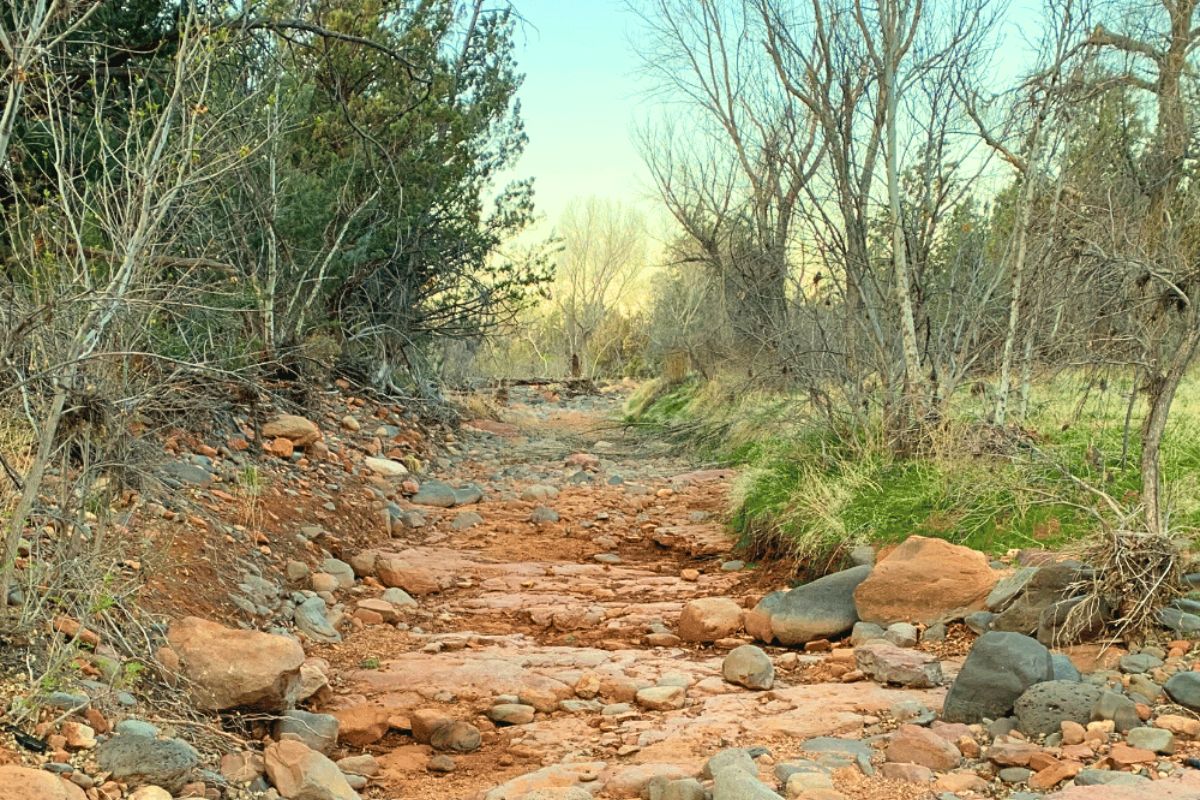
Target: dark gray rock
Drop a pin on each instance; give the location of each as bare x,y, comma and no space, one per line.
1071,621
1064,668
139,760
1181,622
818,610
979,621
734,758
1139,662
1105,777
1184,688
998,670
1047,586
543,515
1042,708
465,520
437,494
734,784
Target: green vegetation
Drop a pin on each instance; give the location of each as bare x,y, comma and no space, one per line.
810,491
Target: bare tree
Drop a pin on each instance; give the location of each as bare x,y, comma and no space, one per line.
603,251
1149,238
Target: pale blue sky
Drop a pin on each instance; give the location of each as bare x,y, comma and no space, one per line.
581,98
584,94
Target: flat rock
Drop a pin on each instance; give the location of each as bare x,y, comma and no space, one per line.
912,744
886,663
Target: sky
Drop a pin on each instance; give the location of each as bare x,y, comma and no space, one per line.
585,94
582,97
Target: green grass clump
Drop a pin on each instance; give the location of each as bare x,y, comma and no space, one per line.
809,493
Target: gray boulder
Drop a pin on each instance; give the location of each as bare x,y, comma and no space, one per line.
1042,708
310,618
140,760
750,667
819,610
998,670
436,493
1184,688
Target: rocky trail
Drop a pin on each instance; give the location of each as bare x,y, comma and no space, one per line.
550,620
555,611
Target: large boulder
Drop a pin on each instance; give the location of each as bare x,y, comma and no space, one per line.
230,668
709,619
139,760
998,670
1042,708
298,430
300,773
818,610
925,580
21,783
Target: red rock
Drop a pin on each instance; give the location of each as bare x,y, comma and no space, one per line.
19,783
231,668
709,619
1011,753
425,721
78,736
1054,774
361,725
1041,760
1184,727
925,580
912,744
1123,755
394,571
281,447
908,773
72,629
242,767
300,773
1072,732
960,783
298,430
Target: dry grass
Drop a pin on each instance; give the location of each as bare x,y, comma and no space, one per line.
1134,575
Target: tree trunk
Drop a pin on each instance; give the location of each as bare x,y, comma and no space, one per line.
915,394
